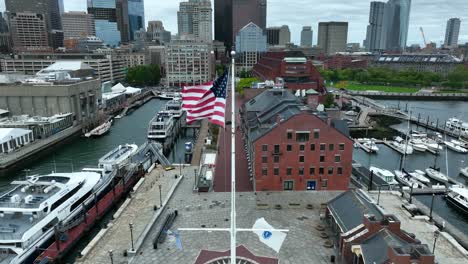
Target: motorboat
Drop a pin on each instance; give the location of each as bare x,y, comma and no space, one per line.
457,126
407,180
402,146
161,126
384,174
351,113
464,171
174,107
419,176
458,197
370,144
436,175
169,95
455,147
432,145
460,143
33,206
418,145
100,130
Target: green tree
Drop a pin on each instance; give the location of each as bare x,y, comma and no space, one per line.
144,75
329,101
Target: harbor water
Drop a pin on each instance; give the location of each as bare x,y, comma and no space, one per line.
448,160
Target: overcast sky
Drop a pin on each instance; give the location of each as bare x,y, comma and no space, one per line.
432,15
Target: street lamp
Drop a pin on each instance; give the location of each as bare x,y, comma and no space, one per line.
436,235
111,256
131,235
160,196
432,205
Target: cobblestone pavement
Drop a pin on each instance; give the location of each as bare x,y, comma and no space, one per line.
302,244
445,252
139,212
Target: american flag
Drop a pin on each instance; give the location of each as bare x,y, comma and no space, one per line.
206,101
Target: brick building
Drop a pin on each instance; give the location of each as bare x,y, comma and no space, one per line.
290,147
297,71
365,234
339,62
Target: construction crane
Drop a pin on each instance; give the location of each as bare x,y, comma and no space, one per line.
424,37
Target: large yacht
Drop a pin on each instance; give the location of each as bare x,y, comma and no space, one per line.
384,174
31,209
457,126
174,107
459,198
161,126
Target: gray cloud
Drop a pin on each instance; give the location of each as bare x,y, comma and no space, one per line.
432,15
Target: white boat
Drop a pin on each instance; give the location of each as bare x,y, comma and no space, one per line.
32,207
455,147
464,171
351,113
436,175
407,180
169,95
384,174
402,146
174,107
370,144
457,126
100,130
418,145
419,176
161,126
118,116
458,197
460,143
432,145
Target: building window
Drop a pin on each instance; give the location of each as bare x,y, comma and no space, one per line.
264,147
276,159
323,147
331,147
277,148
301,147
317,134
339,171
264,159
337,158
289,171
289,135
324,183
341,146
264,171
322,158
276,171
321,170
330,170
312,147
302,136
288,185
312,171
301,171
289,147
301,158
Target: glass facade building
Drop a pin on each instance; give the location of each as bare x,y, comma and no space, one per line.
105,18
251,38
136,17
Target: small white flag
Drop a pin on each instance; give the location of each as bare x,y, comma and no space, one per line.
267,235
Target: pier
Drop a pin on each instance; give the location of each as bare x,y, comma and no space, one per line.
423,96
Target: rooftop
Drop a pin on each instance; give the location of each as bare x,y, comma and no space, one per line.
7,134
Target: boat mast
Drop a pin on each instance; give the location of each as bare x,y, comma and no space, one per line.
402,164
233,161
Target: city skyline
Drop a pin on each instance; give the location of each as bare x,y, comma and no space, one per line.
300,12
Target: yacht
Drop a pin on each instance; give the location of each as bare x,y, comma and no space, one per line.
174,107
419,176
100,130
370,144
161,126
458,197
384,174
432,145
455,147
418,145
436,175
407,180
457,126
33,206
402,146
464,171
169,95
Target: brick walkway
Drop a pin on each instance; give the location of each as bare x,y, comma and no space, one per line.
198,148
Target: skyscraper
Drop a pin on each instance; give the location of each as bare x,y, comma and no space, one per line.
451,33
332,37
246,11
50,13
156,32
395,24
136,17
375,28
306,36
77,24
194,18
251,38
223,21
29,32
278,35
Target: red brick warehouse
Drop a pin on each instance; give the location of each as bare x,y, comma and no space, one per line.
291,147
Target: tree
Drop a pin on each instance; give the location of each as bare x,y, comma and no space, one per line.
329,101
144,75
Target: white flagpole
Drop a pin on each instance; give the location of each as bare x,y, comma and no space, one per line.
233,160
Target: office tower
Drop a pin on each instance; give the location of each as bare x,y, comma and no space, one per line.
105,20
375,27
306,36
194,18
77,24
136,17
156,32
273,35
246,11
451,33
29,32
396,23
223,21
49,11
332,37
284,35
251,38
5,39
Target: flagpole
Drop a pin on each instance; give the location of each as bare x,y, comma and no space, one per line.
233,160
